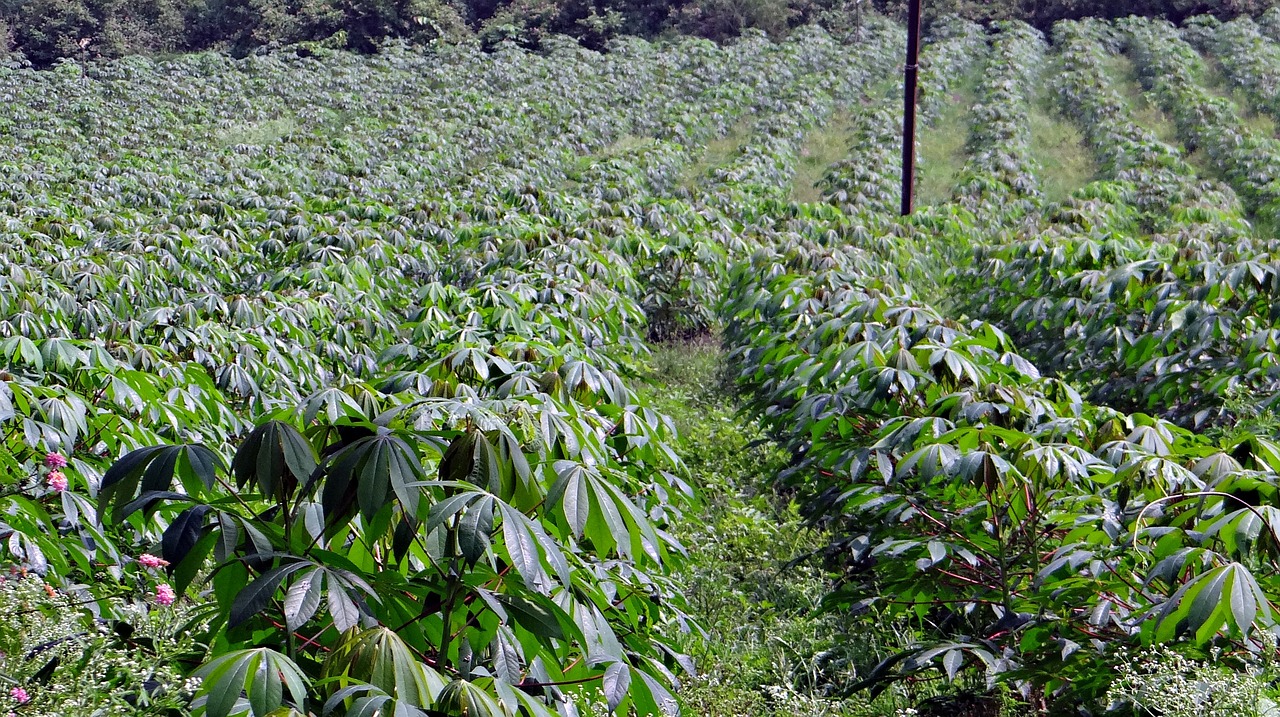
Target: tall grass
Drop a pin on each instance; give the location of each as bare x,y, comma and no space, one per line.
717,152
822,148
942,147
1058,146
764,647
1124,76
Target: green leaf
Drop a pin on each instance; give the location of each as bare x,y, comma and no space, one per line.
151,471
471,458
120,482
228,537
381,658
537,617
202,463
303,599
342,608
262,673
572,485
522,548
951,662
183,533
147,500
159,473
446,509
617,682
378,466
455,464
255,597
266,692
464,698
270,454
507,661
226,687
474,529
1204,617
186,571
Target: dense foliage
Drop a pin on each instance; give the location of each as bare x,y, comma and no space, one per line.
44,31
322,377
1019,494
1044,13
367,403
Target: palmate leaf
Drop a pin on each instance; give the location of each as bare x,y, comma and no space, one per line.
516,701
472,458
303,598
381,659
540,616
369,701
254,598
1240,529
261,676
333,403
461,697
151,470
1226,597
367,473
186,543
276,458
911,661
596,508
441,512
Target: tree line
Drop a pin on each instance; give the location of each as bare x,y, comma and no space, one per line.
43,31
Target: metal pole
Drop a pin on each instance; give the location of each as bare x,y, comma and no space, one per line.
910,96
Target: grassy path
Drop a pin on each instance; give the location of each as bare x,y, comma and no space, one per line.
1123,74
1253,117
717,153
823,147
942,146
1059,147
1124,77
765,648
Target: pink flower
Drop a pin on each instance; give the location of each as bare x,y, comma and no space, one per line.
20,695
57,480
152,562
55,460
165,594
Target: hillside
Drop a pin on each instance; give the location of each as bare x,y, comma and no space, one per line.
463,382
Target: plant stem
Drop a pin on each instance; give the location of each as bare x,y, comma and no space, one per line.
451,591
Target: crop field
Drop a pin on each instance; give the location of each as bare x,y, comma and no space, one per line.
462,383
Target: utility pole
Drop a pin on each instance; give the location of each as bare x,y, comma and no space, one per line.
910,97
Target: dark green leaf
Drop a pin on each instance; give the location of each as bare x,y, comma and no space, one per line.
255,597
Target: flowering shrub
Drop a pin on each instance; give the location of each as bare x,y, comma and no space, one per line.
62,660
151,562
57,481
165,595
1161,682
